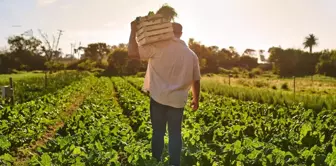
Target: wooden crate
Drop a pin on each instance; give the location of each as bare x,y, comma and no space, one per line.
153,29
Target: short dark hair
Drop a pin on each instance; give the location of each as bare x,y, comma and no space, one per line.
177,27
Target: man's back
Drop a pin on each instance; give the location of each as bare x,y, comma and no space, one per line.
172,69
170,73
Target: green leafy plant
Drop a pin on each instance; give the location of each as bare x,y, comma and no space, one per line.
167,12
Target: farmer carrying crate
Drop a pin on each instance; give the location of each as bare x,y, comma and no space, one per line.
172,70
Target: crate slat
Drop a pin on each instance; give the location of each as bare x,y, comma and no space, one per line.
156,32
152,22
157,38
153,28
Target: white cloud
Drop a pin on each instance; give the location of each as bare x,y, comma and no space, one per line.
45,2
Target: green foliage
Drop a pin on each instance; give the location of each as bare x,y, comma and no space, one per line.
224,71
141,74
257,71
87,65
293,62
111,127
263,95
260,84
31,86
118,60
26,122
227,132
327,63
167,12
150,13
95,51
248,62
251,75
55,66
310,42
236,70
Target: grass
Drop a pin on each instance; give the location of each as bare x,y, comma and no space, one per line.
270,92
5,77
320,85
244,89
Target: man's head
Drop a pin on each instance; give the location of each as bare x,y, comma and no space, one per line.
177,29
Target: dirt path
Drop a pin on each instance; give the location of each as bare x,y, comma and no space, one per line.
24,153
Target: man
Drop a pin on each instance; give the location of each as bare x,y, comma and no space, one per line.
172,69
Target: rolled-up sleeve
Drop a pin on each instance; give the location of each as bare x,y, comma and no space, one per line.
196,72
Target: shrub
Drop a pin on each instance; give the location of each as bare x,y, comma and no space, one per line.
235,70
251,75
274,87
243,82
257,71
284,86
224,71
260,84
87,65
140,74
209,74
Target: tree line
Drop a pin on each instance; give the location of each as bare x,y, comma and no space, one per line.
30,54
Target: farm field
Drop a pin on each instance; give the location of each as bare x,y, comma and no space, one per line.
316,94
319,85
29,86
90,120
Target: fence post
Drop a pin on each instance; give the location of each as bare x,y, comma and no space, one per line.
229,79
45,80
12,90
294,86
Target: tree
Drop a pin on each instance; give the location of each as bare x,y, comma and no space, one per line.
96,51
87,65
25,54
310,42
233,52
19,43
118,60
327,63
248,62
249,52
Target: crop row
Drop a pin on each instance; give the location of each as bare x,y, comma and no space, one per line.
25,123
101,132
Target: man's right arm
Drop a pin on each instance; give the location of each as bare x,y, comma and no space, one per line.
133,52
139,52
196,85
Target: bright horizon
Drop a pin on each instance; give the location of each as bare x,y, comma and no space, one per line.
256,24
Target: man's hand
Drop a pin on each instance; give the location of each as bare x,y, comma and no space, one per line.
134,26
194,104
195,91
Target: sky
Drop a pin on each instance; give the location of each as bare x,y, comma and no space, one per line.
256,24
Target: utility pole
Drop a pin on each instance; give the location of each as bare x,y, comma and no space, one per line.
71,46
59,36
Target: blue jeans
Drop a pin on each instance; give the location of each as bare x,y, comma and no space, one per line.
160,115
